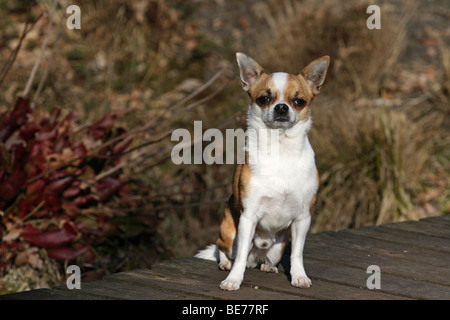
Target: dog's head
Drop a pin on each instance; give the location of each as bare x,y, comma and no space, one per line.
281,99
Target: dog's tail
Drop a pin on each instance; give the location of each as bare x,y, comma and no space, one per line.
211,252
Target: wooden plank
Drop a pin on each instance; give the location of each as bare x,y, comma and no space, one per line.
325,249
112,290
429,229
278,283
390,284
410,238
414,259
197,286
44,294
442,220
350,239
347,268
193,267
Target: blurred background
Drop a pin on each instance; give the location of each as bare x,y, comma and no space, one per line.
86,116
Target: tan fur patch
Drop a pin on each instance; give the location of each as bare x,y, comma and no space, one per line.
298,88
313,201
233,210
264,86
228,228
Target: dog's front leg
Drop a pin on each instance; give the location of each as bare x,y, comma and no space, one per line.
299,229
246,231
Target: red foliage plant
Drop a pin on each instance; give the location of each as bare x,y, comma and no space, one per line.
51,194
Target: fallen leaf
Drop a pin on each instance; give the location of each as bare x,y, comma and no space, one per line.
107,187
63,253
53,238
12,234
59,185
66,253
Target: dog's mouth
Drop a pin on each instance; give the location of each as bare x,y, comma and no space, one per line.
281,119
280,123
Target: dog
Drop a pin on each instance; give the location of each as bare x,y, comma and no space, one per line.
273,191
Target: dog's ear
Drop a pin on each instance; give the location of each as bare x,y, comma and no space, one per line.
315,73
250,70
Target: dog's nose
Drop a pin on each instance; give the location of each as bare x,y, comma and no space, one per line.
281,109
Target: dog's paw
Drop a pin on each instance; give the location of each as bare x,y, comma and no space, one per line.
225,266
301,282
230,284
268,268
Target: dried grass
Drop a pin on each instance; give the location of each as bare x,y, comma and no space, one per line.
373,162
377,149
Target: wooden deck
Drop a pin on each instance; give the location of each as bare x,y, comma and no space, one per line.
413,257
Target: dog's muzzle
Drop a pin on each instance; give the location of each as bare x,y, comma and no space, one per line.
281,112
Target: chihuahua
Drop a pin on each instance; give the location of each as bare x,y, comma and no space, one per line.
274,189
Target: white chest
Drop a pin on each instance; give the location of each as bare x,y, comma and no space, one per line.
282,185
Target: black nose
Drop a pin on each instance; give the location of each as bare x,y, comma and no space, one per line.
281,109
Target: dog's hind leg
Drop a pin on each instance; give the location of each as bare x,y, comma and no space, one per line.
224,262
274,253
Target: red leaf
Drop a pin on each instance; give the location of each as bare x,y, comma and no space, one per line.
20,155
101,127
52,201
8,191
28,130
59,185
82,201
39,150
6,130
13,244
10,187
71,209
44,213
28,229
46,136
80,150
88,256
58,175
35,187
53,238
71,192
25,206
107,188
2,172
14,119
19,114
62,253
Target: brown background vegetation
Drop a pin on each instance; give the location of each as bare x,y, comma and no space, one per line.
380,126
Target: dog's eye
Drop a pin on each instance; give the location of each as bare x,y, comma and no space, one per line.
299,102
264,100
